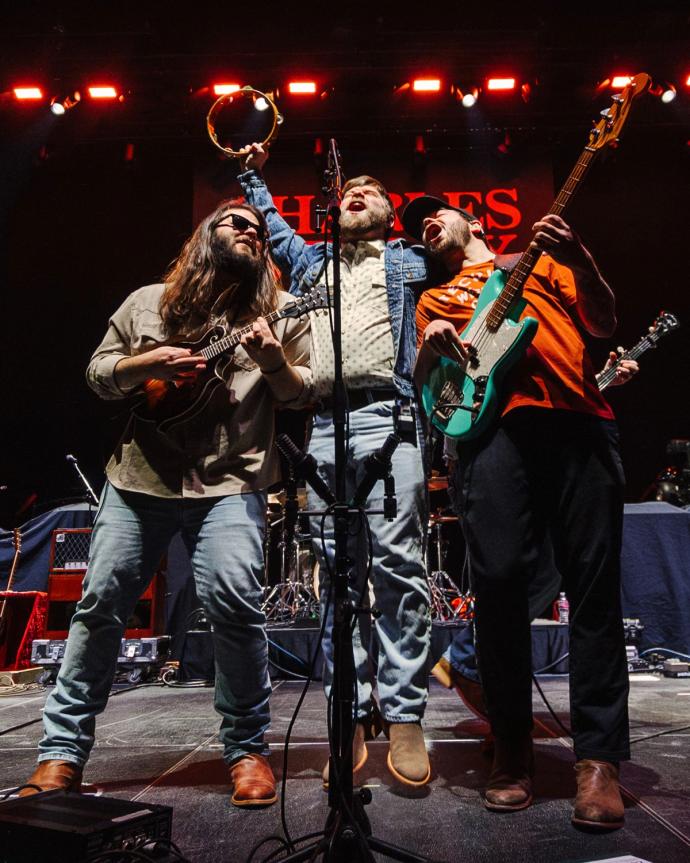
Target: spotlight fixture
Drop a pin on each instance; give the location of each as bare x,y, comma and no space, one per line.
102,92
302,88
468,98
668,94
500,84
60,106
426,85
224,89
28,93
618,81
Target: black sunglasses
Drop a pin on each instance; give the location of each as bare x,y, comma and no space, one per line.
239,223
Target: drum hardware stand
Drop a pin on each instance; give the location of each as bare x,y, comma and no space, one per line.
347,833
442,588
291,597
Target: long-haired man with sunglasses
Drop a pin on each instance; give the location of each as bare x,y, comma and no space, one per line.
205,478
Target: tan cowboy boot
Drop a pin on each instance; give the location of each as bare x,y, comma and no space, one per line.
54,775
598,803
253,781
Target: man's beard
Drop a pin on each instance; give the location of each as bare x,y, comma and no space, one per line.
457,236
354,224
233,264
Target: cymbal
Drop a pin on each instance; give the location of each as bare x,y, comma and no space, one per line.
437,483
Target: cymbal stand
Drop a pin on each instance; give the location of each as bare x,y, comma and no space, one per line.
291,597
442,588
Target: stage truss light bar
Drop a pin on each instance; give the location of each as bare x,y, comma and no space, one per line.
500,84
225,89
619,81
426,85
102,92
302,88
28,93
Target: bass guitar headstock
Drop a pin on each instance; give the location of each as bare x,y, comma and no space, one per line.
607,131
665,323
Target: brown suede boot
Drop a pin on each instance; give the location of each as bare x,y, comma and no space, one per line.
54,775
253,781
598,803
510,784
408,760
359,751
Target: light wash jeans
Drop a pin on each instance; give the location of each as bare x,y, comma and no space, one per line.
132,531
400,590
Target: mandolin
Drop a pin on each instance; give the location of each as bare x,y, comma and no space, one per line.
170,403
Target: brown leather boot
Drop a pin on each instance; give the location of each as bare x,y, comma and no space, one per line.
359,751
408,760
54,775
598,803
510,784
253,781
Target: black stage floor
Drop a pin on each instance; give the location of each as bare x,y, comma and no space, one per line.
159,745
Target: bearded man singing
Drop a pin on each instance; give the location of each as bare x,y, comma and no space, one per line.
205,478
380,279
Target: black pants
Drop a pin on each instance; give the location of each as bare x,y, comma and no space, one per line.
544,470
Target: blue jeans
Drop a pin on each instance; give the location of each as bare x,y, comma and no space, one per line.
400,590
132,531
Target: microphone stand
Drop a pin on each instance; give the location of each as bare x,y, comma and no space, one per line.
90,492
347,834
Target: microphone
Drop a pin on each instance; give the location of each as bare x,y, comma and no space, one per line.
305,466
71,458
376,466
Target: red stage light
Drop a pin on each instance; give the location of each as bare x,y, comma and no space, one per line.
28,93
224,89
102,92
619,81
500,84
687,81
426,85
302,87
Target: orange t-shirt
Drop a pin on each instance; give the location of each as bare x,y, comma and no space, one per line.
556,371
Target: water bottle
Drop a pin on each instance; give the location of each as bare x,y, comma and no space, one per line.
563,607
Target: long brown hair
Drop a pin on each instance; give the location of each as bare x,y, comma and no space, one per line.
191,288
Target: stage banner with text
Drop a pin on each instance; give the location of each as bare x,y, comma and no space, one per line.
506,196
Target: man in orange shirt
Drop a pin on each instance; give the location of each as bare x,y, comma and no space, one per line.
549,464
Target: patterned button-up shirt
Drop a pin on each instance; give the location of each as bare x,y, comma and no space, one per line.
367,337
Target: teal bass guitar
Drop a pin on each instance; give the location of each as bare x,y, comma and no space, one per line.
462,399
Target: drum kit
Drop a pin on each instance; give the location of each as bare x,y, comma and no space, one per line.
294,598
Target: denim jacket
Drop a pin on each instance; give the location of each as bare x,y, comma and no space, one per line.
407,275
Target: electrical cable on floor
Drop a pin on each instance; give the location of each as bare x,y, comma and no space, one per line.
665,650
660,734
552,664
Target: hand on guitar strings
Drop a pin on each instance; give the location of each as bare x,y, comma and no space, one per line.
443,339
263,347
557,238
626,368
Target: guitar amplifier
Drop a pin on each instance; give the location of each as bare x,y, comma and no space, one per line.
69,557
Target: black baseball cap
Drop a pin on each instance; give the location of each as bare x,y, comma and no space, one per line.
417,210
